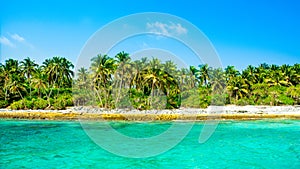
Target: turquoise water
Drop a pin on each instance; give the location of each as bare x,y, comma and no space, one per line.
234,144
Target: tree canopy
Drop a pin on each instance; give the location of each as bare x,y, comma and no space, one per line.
120,82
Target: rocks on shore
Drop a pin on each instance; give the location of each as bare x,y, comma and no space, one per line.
212,112
230,109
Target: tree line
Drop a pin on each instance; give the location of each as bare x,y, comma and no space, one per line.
27,85
120,82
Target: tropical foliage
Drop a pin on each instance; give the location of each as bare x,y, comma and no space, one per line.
152,84
26,85
120,82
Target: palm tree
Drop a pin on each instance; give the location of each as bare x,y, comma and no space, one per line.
39,81
217,80
294,92
261,73
184,79
51,69
123,73
83,78
277,78
169,67
59,74
231,72
295,77
195,76
5,72
237,88
153,79
17,88
66,74
204,73
102,68
260,91
249,75
28,68
12,75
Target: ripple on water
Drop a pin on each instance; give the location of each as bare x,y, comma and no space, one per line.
235,144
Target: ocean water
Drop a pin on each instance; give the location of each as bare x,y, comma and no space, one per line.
235,144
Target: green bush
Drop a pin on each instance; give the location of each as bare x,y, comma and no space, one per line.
3,103
59,104
218,100
18,105
285,100
39,103
242,102
67,99
28,104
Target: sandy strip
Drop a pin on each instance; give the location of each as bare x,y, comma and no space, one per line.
185,114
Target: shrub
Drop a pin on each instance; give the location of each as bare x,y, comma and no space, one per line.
67,99
39,103
218,100
242,102
18,105
286,100
28,104
59,104
3,103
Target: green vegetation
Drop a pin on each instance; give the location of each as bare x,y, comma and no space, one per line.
151,84
120,82
26,85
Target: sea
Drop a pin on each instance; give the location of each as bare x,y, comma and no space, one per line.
252,144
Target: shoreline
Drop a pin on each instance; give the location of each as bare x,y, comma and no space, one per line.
229,112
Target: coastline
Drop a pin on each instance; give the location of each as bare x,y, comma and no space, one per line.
229,112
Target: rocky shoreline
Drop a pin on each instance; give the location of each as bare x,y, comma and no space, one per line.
230,112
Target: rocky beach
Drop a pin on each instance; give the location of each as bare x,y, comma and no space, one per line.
230,112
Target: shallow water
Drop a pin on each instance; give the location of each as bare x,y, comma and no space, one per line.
235,144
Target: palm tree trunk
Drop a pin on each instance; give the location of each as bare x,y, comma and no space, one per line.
6,91
20,94
51,89
39,92
152,92
98,94
29,79
119,92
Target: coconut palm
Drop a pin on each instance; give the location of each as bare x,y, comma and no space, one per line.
294,92
204,73
5,76
123,73
231,72
65,74
59,74
169,67
277,78
237,88
217,81
102,68
83,78
261,73
16,87
195,76
28,68
12,75
39,82
249,75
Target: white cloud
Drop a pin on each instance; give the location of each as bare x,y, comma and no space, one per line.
17,37
166,29
7,42
21,40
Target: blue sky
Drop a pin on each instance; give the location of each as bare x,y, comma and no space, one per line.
243,32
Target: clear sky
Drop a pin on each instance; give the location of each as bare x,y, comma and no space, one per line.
243,32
